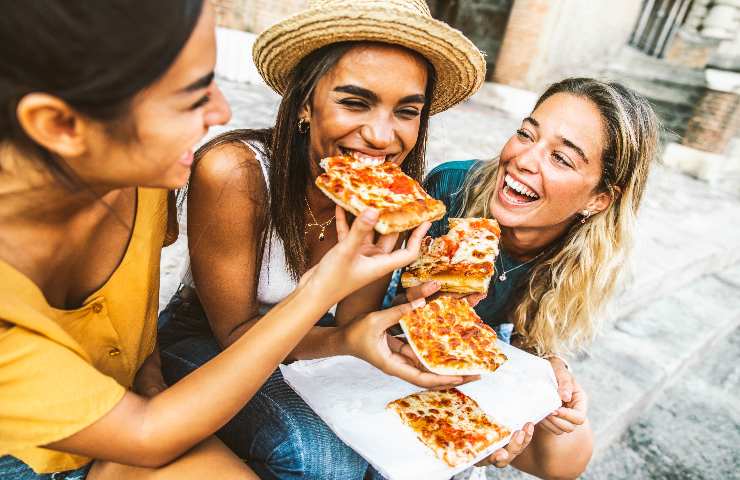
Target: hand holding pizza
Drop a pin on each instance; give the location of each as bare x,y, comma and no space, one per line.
504,456
359,258
366,338
431,290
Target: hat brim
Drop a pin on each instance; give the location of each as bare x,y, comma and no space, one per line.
459,65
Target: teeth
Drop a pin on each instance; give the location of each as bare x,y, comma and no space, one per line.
519,187
366,159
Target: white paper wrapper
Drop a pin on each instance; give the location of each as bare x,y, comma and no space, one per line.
350,395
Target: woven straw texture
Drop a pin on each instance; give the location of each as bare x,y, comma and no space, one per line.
460,66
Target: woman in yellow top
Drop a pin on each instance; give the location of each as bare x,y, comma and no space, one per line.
101,109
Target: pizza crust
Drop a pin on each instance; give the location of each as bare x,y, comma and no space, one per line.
449,282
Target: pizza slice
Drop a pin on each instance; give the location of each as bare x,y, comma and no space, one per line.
462,260
450,423
356,185
449,338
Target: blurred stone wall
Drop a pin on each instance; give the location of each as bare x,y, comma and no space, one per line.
546,41
483,21
254,15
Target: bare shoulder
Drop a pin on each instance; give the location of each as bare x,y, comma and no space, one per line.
229,168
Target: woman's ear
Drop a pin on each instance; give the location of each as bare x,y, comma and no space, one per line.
600,202
305,112
51,123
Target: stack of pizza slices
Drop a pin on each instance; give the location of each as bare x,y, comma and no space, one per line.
462,260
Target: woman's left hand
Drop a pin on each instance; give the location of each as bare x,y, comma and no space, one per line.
575,402
430,291
367,338
148,381
504,456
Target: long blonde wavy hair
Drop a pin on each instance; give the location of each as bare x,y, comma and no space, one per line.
569,285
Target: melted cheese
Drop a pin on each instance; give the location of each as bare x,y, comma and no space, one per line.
447,333
363,185
470,241
450,423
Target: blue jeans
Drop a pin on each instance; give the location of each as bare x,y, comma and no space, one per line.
13,469
278,435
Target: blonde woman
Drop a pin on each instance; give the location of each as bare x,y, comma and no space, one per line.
565,188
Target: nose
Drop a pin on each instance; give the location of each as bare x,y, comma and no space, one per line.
529,160
379,132
218,111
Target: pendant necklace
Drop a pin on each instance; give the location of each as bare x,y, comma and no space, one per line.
503,276
314,223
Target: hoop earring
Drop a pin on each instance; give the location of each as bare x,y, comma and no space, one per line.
303,126
585,214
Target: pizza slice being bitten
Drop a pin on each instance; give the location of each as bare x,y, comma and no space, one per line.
450,423
449,338
355,186
462,260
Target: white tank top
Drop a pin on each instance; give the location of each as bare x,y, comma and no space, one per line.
275,281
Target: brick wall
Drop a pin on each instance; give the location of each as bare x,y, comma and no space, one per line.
716,120
254,15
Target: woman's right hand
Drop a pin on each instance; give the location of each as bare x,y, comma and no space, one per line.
358,258
431,290
367,338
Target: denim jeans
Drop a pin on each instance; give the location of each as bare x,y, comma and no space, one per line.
13,469
278,435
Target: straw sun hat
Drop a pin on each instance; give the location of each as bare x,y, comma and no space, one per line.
459,65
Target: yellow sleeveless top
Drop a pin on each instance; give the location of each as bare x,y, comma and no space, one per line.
61,370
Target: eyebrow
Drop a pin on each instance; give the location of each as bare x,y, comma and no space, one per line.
199,84
575,147
371,96
567,142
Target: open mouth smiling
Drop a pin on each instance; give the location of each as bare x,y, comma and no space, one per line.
516,192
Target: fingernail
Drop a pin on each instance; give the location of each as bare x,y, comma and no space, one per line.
370,214
419,302
520,437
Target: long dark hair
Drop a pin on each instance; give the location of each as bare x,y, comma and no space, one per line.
287,149
95,56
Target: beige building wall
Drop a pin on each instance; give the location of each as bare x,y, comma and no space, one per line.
546,41
254,15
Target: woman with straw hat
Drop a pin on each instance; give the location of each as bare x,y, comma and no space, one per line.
357,78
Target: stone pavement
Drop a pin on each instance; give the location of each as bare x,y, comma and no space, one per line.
681,299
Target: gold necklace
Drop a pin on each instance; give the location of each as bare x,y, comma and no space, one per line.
315,223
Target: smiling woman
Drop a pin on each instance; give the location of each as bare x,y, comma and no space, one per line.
565,190
357,78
